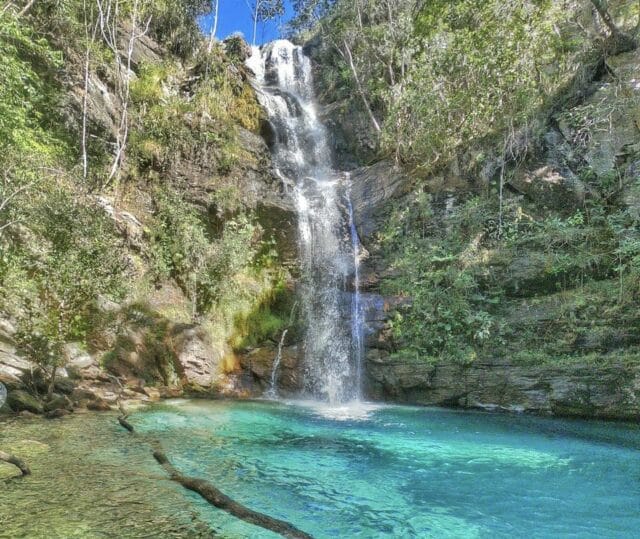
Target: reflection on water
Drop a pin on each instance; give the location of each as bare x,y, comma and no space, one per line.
362,471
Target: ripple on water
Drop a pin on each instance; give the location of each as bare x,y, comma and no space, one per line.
360,471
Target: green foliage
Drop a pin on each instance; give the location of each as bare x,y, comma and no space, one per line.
308,13
60,253
28,94
267,10
53,273
541,288
174,23
480,68
204,266
259,326
442,76
447,316
169,127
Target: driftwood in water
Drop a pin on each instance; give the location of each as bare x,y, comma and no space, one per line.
19,463
123,418
216,498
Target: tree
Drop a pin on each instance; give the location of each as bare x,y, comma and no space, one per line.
263,11
110,27
620,40
308,13
51,284
214,26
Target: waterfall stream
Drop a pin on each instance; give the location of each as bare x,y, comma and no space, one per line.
327,237
272,392
357,311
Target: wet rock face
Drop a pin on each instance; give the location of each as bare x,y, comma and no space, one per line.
259,364
371,190
577,390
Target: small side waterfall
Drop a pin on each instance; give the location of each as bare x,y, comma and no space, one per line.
357,311
272,392
328,244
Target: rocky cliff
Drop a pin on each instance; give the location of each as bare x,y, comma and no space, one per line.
566,341
199,229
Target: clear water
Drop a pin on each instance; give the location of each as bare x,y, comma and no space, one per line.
363,472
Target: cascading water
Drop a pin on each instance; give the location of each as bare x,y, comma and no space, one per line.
272,392
326,230
357,311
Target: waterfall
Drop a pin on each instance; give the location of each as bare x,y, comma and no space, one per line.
326,230
272,392
357,312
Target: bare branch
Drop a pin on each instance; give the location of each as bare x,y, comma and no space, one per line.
363,96
26,8
18,463
7,7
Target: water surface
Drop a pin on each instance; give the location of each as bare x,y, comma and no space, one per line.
365,472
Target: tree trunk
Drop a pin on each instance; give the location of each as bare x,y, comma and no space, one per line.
214,496
363,96
19,463
620,41
214,28
52,383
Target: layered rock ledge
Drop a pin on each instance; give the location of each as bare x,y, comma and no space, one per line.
573,390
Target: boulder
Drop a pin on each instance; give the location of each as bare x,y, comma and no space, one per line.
199,364
20,401
12,366
78,363
37,378
98,405
153,393
76,356
58,402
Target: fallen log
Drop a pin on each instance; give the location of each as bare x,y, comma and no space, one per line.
216,498
123,417
18,463
123,421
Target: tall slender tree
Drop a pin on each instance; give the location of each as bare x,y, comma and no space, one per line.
263,11
214,24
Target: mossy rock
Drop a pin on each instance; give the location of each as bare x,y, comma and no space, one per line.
20,401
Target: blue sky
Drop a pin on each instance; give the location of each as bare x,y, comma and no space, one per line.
235,16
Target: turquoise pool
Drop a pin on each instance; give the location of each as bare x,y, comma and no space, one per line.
366,471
